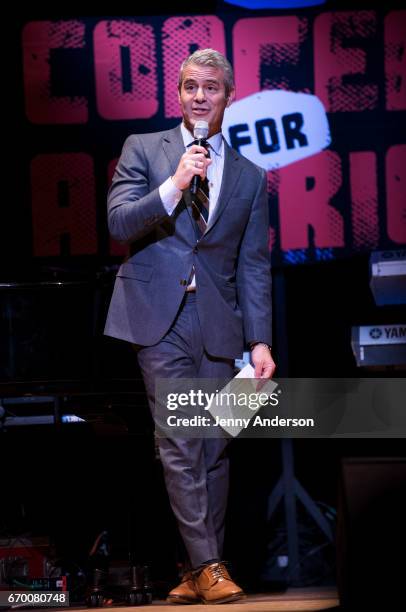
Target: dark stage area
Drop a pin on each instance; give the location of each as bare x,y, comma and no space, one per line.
66,483
63,488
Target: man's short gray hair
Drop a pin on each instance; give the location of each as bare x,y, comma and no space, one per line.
210,57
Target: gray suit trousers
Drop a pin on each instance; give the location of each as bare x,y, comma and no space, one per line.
195,470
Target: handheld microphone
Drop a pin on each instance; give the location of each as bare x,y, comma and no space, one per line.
200,133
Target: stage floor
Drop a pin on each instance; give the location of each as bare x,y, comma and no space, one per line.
293,600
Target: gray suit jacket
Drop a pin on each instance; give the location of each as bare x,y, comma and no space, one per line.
231,260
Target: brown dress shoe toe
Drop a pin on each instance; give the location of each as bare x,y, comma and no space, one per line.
185,592
214,585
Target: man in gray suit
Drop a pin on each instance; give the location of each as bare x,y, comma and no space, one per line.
195,288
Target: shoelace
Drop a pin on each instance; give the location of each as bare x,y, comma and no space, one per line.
218,571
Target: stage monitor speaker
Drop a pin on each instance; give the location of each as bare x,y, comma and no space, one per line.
371,533
379,345
388,276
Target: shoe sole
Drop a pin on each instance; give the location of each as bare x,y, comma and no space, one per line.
224,599
182,600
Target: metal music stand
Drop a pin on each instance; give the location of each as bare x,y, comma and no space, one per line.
288,488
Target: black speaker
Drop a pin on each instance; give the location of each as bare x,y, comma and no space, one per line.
371,533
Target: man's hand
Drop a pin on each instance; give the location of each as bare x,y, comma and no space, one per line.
262,361
194,161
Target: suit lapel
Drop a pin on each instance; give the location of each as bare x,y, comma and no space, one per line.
231,173
174,148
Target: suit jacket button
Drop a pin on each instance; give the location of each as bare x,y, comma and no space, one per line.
183,282
195,250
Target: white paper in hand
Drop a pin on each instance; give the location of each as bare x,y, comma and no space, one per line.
238,402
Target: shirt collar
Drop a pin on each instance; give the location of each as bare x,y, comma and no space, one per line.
214,141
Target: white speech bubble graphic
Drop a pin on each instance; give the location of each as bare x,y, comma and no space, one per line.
276,128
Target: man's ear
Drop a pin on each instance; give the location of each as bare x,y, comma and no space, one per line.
230,97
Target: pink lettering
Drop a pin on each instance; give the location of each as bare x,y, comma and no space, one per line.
395,60
126,70
265,41
364,197
39,38
334,60
305,192
396,193
63,204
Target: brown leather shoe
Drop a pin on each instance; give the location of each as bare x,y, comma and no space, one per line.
185,592
214,585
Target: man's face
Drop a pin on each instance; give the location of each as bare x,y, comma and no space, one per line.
202,97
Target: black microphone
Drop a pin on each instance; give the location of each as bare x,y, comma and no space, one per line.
200,133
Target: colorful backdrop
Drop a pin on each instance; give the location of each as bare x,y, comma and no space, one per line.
85,83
